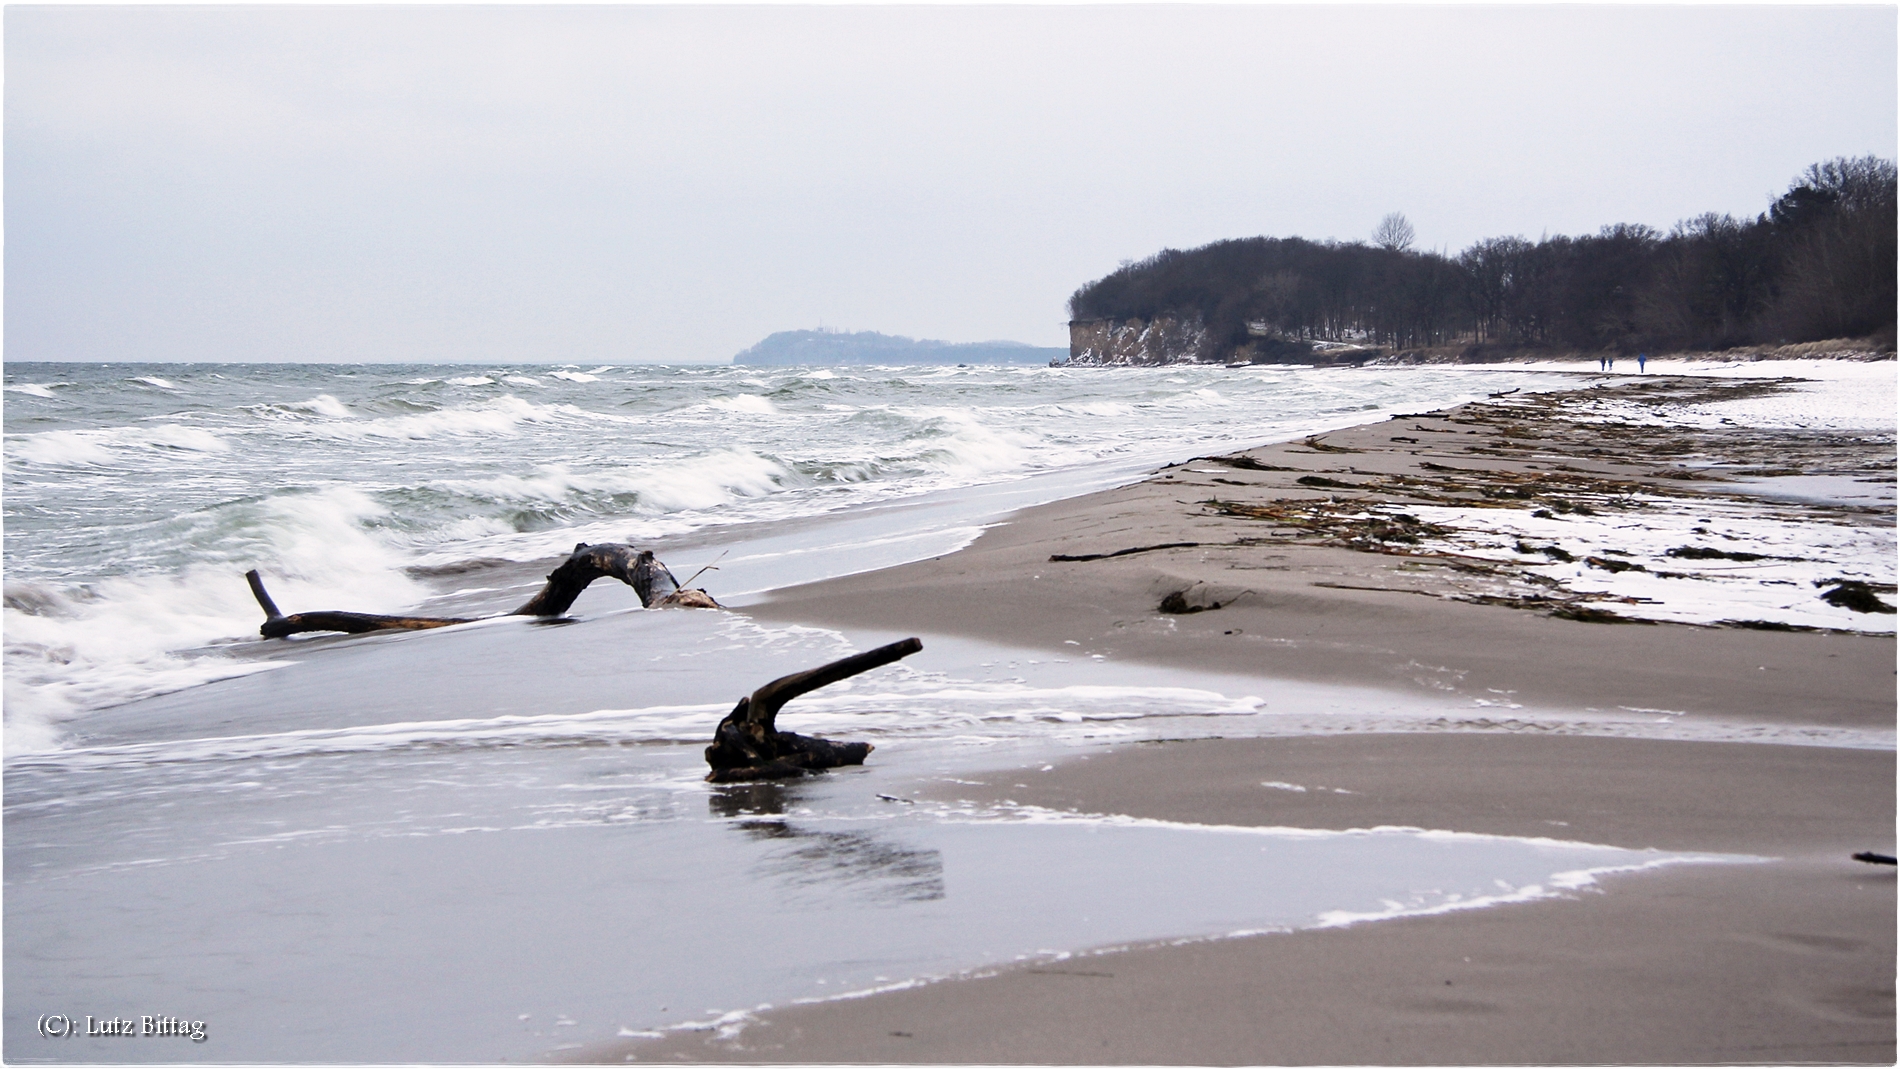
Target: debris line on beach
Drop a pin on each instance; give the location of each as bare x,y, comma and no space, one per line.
1611,505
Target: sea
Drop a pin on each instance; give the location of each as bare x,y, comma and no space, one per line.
493,840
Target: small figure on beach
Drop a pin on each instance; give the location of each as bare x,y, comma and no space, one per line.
1642,363
1603,362
1609,362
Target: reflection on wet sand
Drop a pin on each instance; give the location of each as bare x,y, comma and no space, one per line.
867,865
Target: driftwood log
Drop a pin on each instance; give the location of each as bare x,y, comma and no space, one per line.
277,625
747,744
636,567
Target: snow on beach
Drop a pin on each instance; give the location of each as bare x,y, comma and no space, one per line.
1743,497
1768,545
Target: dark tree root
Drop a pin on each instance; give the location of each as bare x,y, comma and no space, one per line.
616,560
277,625
747,744
636,568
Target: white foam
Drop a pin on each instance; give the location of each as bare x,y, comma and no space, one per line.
961,444
323,405
745,402
694,483
70,448
497,417
1560,885
124,637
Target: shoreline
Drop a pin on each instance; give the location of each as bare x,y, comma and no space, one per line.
1281,563
1782,960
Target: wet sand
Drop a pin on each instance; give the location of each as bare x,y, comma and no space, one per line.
1789,959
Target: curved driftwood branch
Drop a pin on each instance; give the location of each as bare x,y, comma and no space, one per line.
262,596
635,567
277,625
747,744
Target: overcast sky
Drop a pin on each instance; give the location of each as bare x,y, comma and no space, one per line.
621,184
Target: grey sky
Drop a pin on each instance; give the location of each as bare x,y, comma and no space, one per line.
626,184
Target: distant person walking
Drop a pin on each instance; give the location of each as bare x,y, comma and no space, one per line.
1642,363
1603,362
1609,363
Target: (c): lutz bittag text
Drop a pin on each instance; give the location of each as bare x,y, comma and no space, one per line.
59,1025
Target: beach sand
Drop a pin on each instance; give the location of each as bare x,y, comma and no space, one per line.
1788,959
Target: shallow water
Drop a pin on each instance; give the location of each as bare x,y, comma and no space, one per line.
466,902
494,841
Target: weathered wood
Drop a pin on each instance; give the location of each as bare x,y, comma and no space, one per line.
636,567
1123,552
278,625
747,744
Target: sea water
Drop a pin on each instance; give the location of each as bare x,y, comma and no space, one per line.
493,840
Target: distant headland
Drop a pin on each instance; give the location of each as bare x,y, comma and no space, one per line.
870,347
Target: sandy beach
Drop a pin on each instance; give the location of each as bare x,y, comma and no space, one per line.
1342,559
1208,757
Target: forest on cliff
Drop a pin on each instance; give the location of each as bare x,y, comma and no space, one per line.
1818,264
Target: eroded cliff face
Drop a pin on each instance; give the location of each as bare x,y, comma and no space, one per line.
1164,339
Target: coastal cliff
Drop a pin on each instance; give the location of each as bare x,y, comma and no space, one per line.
1173,339
1165,339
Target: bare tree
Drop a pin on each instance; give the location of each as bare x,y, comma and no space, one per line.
1393,232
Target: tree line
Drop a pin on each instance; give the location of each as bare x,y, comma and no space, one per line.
1818,264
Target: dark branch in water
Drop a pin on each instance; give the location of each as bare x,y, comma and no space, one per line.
263,598
637,568
277,625
747,744
1123,552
